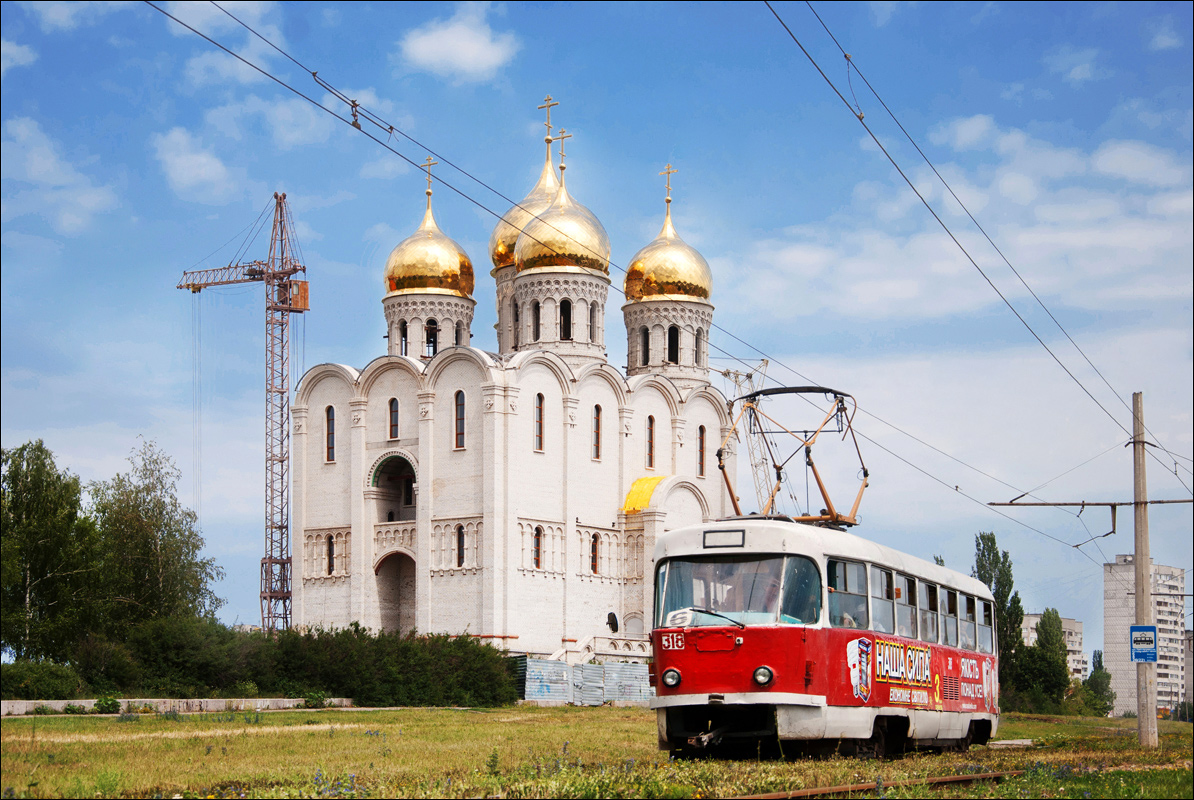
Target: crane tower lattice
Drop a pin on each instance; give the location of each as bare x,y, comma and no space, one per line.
283,296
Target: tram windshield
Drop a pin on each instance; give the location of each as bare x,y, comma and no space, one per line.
740,590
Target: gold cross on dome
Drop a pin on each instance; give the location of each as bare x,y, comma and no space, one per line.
669,171
428,164
563,135
547,104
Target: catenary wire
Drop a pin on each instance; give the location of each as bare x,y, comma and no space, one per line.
486,209
851,65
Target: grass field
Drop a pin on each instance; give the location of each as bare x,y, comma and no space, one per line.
531,752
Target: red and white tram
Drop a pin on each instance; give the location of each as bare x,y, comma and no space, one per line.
774,632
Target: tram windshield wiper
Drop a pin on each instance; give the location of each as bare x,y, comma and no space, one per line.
713,613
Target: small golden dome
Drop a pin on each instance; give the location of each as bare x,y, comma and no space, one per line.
428,262
565,235
505,234
668,269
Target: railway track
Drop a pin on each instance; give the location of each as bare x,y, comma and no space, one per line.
879,785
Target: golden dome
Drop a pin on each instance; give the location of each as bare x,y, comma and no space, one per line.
428,262
505,234
565,235
668,269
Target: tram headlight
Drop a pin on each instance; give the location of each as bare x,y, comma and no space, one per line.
764,676
671,678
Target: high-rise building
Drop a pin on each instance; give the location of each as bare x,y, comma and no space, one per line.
1075,656
1119,614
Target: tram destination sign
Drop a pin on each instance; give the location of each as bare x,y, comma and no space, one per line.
1143,643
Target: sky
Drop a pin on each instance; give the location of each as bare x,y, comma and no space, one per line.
134,150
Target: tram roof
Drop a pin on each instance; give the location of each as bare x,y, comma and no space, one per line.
774,535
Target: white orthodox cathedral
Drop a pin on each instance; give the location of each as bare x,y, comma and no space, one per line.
512,496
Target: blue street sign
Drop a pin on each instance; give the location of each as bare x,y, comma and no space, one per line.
1144,643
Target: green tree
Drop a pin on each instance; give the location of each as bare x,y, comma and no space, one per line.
152,565
994,568
1100,697
1050,635
48,569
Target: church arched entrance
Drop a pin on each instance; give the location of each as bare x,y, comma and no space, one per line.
394,484
396,592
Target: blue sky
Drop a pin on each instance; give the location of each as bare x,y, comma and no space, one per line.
132,150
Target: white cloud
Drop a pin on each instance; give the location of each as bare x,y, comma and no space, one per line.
1162,36
14,55
1139,162
55,190
965,133
291,122
66,16
1082,241
883,10
212,68
194,173
1075,66
463,48
386,167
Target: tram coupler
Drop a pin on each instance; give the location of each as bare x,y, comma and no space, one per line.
710,739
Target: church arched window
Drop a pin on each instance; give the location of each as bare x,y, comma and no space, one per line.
432,338
459,340
593,322
644,336
538,551
393,417
535,314
673,345
517,333
460,545
699,350
565,320
701,451
597,432
331,554
650,442
459,419
402,340
330,431
390,515
594,543
539,422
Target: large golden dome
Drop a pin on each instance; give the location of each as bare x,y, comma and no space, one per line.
505,234
668,269
565,235
428,262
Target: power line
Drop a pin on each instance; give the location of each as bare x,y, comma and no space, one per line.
358,112
850,64
859,116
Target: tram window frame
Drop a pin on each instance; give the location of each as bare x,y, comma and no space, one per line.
968,633
929,605
800,599
905,608
986,627
882,600
847,589
950,629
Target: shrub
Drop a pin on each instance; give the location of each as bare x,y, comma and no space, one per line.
72,708
315,700
106,705
39,680
107,666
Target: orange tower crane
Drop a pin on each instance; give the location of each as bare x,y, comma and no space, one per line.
283,296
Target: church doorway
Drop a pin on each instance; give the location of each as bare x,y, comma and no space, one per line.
396,593
395,484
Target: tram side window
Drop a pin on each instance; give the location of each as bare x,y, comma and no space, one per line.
986,628
847,595
802,592
928,612
882,594
906,606
951,618
968,622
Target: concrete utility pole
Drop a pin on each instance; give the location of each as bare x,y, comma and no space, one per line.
1146,673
